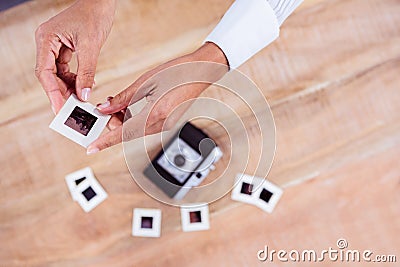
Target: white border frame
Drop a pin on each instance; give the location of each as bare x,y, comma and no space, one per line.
137,230
276,195
88,205
245,178
58,122
187,226
72,177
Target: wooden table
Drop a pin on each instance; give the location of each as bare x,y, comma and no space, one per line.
332,80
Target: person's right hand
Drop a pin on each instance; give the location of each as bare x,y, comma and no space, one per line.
82,28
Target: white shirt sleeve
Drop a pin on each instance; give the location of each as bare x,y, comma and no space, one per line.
283,8
248,26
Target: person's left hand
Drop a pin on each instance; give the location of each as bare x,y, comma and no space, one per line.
160,100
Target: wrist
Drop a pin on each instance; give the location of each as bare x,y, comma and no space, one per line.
210,52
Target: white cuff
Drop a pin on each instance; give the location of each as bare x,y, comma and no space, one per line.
246,28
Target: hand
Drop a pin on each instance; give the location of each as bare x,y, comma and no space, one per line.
161,100
82,28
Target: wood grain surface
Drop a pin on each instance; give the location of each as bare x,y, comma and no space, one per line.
332,81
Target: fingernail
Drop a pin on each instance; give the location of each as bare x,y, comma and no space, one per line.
85,94
91,151
53,109
104,105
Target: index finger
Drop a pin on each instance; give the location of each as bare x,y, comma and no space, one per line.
47,51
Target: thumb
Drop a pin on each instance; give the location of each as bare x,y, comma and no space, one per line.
87,61
132,129
104,141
